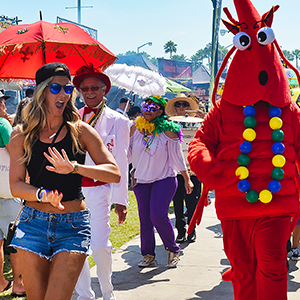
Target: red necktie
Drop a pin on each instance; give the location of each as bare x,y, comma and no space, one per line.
88,110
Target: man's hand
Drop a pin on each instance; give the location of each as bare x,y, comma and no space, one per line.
121,211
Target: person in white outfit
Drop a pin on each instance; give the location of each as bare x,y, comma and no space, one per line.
114,131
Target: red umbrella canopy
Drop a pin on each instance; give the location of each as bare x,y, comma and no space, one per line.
25,48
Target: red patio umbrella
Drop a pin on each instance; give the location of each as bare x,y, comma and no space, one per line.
25,48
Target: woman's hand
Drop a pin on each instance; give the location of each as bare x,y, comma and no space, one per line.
188,184
9,118
61,164
54,198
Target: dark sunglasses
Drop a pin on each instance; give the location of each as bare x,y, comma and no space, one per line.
183,104
146,106
92,88
55,88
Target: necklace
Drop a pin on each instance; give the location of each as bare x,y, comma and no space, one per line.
278,160
52,136
95,116
147,141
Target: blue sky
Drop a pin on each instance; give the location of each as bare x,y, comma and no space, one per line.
126,24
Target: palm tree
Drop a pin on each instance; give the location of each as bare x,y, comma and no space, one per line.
296,54
170,47
181,57
289,56
222,51
201,54
207,52
197,59
194,59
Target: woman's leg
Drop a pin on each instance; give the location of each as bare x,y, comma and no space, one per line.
65,270
161,196
142,193
35,273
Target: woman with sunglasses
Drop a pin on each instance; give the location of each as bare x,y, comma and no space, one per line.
53,234
156,154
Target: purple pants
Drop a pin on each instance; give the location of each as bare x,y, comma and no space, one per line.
153,202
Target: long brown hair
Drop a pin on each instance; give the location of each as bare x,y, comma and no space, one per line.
35,117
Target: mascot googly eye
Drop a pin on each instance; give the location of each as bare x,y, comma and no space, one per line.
242,41
265,36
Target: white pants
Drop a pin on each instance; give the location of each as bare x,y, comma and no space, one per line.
98,201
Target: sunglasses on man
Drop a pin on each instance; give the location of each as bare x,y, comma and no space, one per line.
55,88
183,104
92,88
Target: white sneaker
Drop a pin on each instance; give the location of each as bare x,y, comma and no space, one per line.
295,254
173,259
146,261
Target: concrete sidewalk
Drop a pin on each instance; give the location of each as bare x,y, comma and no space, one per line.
197,276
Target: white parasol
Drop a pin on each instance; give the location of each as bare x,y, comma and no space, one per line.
137,80
186,119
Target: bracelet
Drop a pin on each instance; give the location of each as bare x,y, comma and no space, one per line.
75,170
38,197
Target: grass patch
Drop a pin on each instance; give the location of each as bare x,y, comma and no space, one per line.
121,234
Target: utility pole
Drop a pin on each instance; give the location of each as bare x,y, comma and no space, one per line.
79,7
217,5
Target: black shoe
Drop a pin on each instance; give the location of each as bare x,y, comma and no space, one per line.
180,238
191,237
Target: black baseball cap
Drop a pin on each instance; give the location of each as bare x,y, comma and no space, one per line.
51,69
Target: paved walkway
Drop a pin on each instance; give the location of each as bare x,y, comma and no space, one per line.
197,276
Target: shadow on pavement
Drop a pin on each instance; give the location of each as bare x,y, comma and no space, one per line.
134,276
293,286
217,230
222,291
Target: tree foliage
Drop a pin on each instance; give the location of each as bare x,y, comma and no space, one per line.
289,56
170,47
181,57
296,54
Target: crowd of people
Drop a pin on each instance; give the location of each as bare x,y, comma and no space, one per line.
68,166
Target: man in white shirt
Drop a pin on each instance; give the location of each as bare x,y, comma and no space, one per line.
124,106
114,131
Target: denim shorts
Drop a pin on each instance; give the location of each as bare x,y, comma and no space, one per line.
47,234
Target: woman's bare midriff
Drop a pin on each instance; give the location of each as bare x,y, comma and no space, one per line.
70,206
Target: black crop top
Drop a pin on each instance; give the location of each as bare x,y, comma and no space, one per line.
68,184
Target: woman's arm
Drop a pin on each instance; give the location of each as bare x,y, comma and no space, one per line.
17,172
178,155
105,168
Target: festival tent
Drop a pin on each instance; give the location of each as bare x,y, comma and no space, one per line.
137,60
201,76
175,88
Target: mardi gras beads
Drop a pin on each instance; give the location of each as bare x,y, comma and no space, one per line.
278,160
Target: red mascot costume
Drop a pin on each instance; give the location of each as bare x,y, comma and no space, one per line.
247,150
